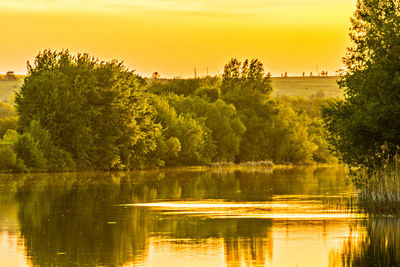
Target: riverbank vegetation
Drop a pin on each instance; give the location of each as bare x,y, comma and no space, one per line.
79,113
364,127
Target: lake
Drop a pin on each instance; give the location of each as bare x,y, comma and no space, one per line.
251,217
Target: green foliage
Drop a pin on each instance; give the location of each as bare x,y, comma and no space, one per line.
369,116
35,148
96,111
221,119
289,138
56,158
318,133
9,123
11,136
79,112
247,76
28,150
211,94
242,124
249,90
185,140
309,111
8,158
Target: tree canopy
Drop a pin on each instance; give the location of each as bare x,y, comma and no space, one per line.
97,111
369,116
77,112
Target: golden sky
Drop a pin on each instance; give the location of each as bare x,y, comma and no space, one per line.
175,36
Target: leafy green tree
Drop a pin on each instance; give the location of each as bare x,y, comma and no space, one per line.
248,75
185,140
369,116
97,111
248,88
221,119
288,140
309,113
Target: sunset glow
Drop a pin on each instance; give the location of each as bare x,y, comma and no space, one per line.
174,37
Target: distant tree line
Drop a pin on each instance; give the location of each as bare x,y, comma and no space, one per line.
76,112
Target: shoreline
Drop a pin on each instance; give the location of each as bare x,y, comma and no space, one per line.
234,167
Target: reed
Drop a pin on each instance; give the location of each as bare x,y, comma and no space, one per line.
380,187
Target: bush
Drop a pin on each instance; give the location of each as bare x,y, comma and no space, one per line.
8,158
56,158
28,150
10,136
6,124
208,93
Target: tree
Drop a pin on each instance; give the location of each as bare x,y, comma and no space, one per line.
221,120
185,140
97,111
369,116
249,75
246,86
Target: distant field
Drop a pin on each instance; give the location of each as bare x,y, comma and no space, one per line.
306,86
7,88
290,86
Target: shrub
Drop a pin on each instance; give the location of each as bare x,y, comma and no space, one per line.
6,124
10,136
28,150
8,158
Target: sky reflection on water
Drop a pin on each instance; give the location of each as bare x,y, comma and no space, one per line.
189,218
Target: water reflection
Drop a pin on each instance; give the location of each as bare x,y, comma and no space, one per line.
377,245
181,218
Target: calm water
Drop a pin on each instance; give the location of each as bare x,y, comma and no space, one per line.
189,218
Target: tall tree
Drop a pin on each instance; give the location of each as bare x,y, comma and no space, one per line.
369,116
97,111
248,88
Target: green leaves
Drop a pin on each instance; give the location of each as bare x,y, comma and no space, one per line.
369,116
97,111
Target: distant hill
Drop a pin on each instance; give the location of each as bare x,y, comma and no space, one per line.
306,86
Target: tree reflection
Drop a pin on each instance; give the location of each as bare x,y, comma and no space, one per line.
378,246
78,224
76,219
250,242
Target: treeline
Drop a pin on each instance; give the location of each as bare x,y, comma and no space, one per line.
76,112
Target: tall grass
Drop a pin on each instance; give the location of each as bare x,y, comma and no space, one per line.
380,186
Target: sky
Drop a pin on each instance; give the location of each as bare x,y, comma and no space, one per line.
174,37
